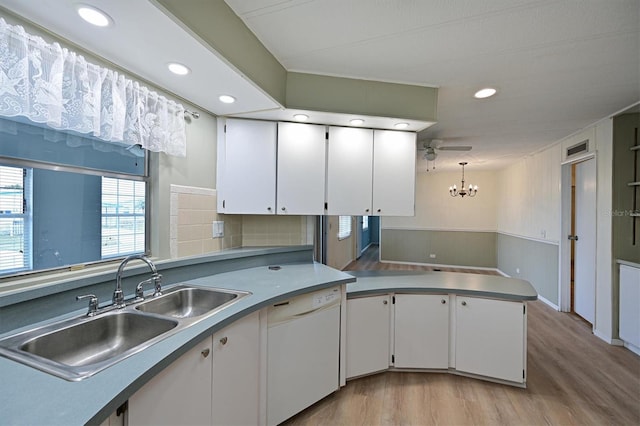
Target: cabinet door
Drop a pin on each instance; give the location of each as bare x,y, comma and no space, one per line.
349,171
301,168
178,395
249,183
394,173
421,331
236,363
490,338
368,333
629,303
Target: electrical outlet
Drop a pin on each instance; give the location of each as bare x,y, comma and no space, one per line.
432,255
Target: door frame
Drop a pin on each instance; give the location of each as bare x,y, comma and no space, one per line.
564,288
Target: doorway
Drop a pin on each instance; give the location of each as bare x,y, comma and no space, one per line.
581,242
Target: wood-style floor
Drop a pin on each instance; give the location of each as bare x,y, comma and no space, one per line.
574,378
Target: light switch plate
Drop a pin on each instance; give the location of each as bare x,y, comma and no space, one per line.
218,229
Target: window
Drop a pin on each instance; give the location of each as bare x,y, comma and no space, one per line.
67,199
365,223
344,227
15,223
123,226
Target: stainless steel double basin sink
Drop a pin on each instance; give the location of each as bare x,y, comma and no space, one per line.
77,348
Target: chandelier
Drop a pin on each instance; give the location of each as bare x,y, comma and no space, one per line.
471,191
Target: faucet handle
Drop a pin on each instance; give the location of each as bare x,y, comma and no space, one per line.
140,289
157,282
93,303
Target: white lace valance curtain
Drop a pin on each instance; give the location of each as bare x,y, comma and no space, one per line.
50,84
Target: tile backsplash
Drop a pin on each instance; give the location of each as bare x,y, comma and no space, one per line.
193,211
260,230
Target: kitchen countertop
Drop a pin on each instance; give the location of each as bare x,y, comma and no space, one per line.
29,396
492,286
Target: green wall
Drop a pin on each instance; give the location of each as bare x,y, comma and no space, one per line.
537,262
626,133
459,248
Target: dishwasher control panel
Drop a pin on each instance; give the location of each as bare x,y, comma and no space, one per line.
304,304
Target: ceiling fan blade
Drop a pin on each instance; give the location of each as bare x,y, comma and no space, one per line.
455,148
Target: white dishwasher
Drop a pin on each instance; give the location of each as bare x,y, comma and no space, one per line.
303,342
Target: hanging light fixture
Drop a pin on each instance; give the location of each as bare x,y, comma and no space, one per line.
471,191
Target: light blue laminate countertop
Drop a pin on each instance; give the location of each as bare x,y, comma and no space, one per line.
493,286
31,397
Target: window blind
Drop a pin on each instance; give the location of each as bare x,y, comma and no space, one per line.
344,227
15,240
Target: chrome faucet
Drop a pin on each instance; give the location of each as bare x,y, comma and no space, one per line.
118,295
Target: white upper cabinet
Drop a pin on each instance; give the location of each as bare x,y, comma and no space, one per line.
247,161
349,171
371,172
301,169
289,168
394,173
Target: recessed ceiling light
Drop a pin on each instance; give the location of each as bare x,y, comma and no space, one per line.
227,99
401,125
485,93
94,16
357,122
178,69
300,117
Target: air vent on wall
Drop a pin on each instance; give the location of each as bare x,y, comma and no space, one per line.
578,148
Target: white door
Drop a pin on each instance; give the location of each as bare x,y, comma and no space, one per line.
236,369
584,293
349,171
421,331
394,173
249,167
368,334
301,168
490,338
178,395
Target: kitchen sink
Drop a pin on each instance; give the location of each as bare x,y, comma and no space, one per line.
190,302
80,347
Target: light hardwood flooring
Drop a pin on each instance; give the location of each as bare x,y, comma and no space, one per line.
574,378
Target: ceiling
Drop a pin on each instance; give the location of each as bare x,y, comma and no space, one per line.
558,65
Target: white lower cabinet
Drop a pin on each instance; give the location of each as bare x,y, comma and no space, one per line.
236,373
215,383
368,334
421,331
491,338
178,395
467,335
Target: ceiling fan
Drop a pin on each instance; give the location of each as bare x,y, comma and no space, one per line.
430,148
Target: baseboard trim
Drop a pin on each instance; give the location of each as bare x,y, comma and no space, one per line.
632,348
548,302
610,340
504,274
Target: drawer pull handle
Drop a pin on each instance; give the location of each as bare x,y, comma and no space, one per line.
443,301
224,340
464,303
205,353
385,302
